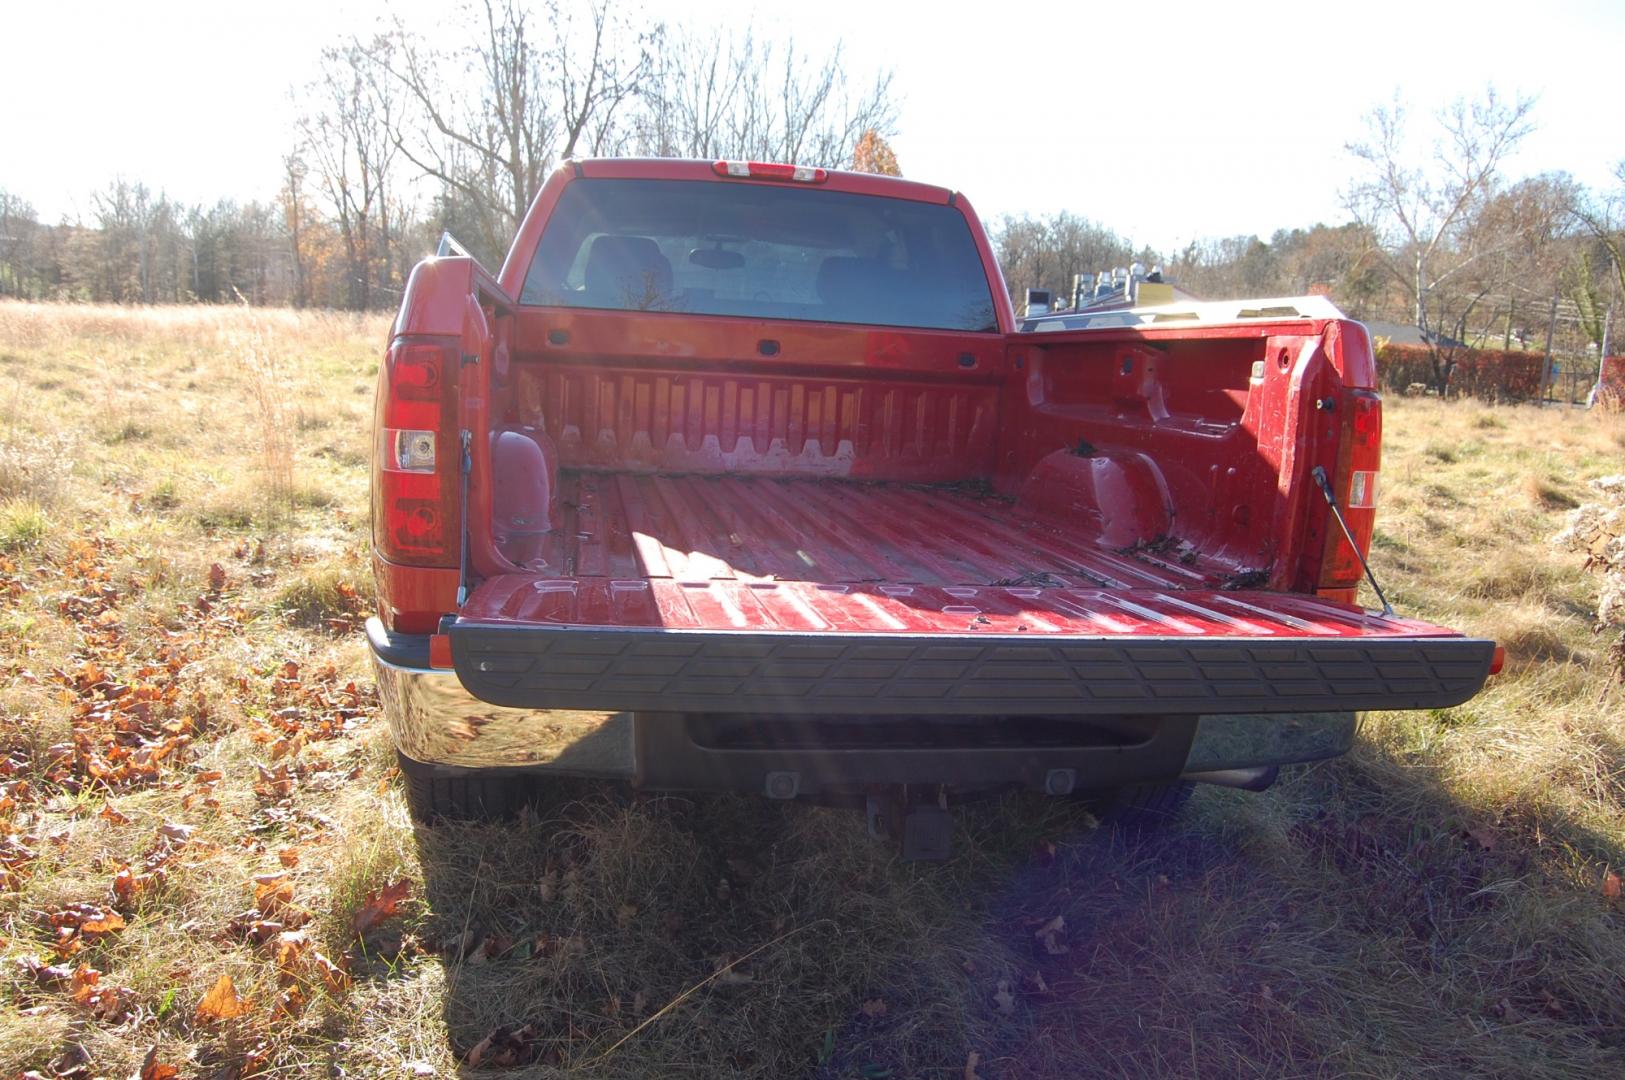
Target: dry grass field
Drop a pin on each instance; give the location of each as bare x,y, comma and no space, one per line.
207,869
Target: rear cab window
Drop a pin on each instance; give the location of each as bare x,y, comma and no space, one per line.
760,251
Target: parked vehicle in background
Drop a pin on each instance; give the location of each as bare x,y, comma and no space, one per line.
744,477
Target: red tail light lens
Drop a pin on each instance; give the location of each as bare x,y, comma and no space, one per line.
1359,459
762,170
416,516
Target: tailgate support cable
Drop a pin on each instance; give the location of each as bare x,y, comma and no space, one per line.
467,467
1319,474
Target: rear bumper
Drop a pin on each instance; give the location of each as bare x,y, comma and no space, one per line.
439,724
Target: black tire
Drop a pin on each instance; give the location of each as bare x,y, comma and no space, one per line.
1140,807
471,796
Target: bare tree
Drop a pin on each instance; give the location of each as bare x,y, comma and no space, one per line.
1531,223
1603,217
18,228
1046,252
348,135
738,94
1426,211
493,115
293,221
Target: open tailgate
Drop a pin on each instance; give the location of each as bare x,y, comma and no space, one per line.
815,649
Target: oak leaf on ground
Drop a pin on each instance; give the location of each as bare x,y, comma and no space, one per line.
380,904
153,1069
222,1002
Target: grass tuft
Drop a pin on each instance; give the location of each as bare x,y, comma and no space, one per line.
1549,494
22,524
319,594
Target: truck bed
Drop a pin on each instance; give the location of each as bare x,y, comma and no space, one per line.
730,553
739,594
727,553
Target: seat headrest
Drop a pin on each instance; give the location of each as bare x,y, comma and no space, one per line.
860,288
845,280
627,271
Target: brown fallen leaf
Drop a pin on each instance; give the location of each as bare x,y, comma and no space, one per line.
76,921
1004,1001
153,1069
730,975
334,978
290,1002
254,1059
502,1048
127,885
1610,885
873,1007
272,893
971,1062
275,783
288,953
288,856
99,920
46,975
217,577
106,1002
1050,934
222,1002
110,814
380,904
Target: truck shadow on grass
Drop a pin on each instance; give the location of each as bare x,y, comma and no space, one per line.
1353,918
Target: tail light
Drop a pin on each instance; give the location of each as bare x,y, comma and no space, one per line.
416,514
1359,459
761,170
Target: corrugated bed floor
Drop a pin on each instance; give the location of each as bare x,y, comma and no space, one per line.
816,556
704,528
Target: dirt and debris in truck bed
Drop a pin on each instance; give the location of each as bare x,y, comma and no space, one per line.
976,487
1044,579
1245,579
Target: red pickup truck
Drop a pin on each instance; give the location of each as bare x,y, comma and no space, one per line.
744,476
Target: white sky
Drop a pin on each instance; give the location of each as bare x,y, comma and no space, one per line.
1166,122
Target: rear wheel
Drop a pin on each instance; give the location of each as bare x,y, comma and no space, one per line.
471,796
1140,807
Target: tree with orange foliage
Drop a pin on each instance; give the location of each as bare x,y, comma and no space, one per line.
874,155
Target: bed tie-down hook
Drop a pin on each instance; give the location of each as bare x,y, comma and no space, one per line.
1319,473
